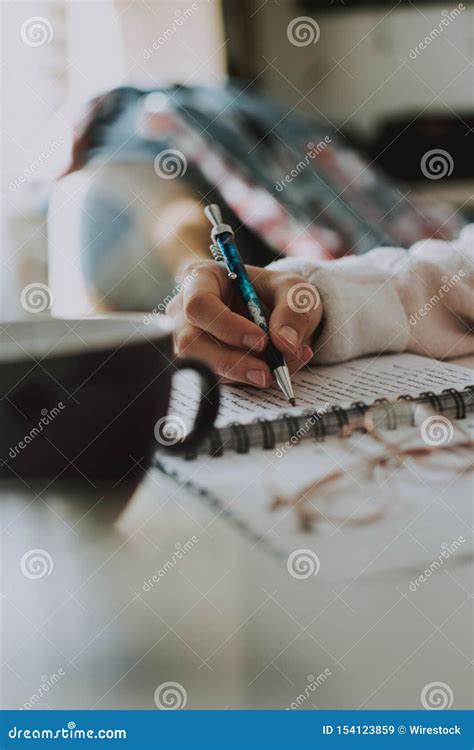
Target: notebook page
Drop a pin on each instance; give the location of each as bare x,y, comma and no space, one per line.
426,504
387,376
241,487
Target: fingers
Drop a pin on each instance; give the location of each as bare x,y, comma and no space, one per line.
297,312
207,327
296,363
232,365
204,309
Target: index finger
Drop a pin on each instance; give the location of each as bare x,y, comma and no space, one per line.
204,302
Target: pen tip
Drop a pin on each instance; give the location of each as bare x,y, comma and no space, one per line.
292,401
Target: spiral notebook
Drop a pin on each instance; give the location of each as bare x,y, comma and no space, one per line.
426,503
330,402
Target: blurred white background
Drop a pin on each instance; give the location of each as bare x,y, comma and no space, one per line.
57,54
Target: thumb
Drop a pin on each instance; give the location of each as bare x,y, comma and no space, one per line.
296,314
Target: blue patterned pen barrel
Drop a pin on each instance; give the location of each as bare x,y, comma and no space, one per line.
224,250
225,243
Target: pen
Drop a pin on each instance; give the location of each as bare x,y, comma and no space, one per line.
224,249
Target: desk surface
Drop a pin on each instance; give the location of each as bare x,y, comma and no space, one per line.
118,612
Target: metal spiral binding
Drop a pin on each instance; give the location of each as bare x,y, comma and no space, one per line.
458,399
241,437
292,425
267,433
434,400
322,424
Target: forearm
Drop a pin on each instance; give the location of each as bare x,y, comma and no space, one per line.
393,300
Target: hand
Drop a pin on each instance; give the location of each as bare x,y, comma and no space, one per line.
211,321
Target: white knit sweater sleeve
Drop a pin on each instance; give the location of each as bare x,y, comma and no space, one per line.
394,300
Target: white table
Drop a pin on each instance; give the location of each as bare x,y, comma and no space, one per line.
225,622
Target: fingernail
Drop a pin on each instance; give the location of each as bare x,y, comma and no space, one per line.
290,335
257,377
307,352
252,341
